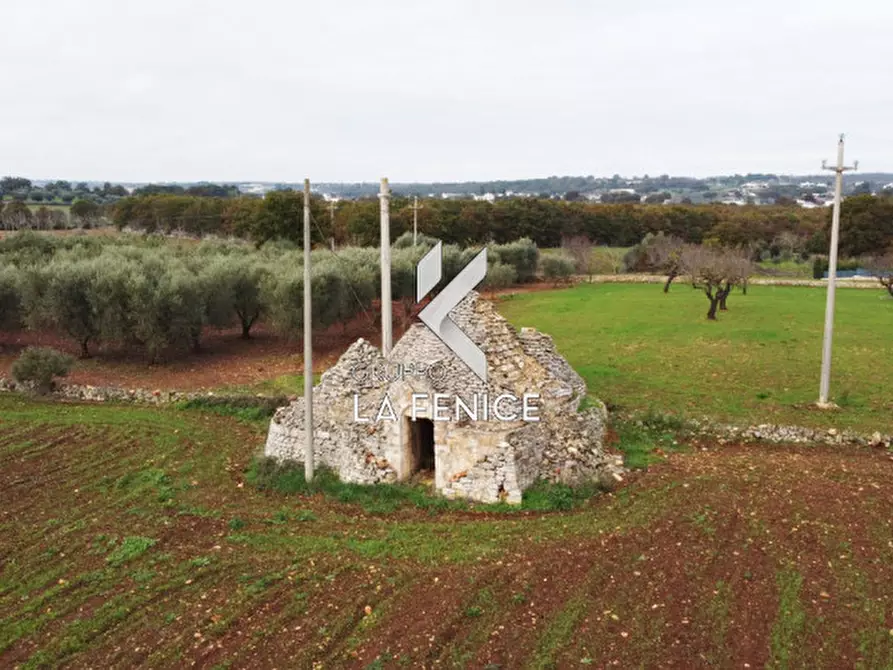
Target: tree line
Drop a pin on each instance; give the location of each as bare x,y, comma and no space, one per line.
16,215
866,221
464,222
59,191
137,292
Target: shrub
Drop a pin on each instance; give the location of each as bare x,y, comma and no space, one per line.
40,366
249,408
545,496
454,261
820,266
557,267
500,275
522,255
424,242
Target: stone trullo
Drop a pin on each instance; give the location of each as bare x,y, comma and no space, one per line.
363,408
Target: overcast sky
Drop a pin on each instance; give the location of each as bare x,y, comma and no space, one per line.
351,90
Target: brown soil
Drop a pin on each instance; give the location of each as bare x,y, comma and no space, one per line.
698,588
683,567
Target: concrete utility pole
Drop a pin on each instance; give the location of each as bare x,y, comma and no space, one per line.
308,343
415,220
386,311
832,275
332,205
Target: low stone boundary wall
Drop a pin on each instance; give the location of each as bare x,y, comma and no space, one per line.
722,433
116,394
797,435
754,281
775,434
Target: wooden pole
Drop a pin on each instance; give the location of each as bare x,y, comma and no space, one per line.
308,343
386,310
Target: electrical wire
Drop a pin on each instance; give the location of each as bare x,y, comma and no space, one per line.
343,260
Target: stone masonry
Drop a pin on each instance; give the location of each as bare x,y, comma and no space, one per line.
485,460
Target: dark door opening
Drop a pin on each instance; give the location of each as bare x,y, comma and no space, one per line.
421,444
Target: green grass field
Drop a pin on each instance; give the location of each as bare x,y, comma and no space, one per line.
605,260
640,349
795,269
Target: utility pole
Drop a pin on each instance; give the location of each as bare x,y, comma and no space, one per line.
832,274
386,310
308,343
415,220
332,223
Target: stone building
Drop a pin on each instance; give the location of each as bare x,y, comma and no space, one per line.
472,434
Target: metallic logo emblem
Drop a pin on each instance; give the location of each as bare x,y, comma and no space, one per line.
436,315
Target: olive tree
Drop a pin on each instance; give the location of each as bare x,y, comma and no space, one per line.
882,268
234,288
403,280
333,300
113,288
361,271
657,253
557,268
283,293
16,216
67,304
84,213
10,300
664,255
579,248
716,272
168,307
521,254
500,275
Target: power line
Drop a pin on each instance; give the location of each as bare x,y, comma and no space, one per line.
344,260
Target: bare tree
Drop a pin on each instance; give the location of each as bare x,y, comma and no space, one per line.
716,272
579,248
664,254
740,267
882,268
656,253
787,244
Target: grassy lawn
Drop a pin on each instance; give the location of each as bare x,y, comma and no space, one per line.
759,363
605,260
34,206
130,537
797,269
281,385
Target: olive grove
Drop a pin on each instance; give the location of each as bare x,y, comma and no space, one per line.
139,292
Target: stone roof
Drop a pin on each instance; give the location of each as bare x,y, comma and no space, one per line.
507,351
488,458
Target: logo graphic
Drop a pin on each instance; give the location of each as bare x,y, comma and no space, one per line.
436,314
